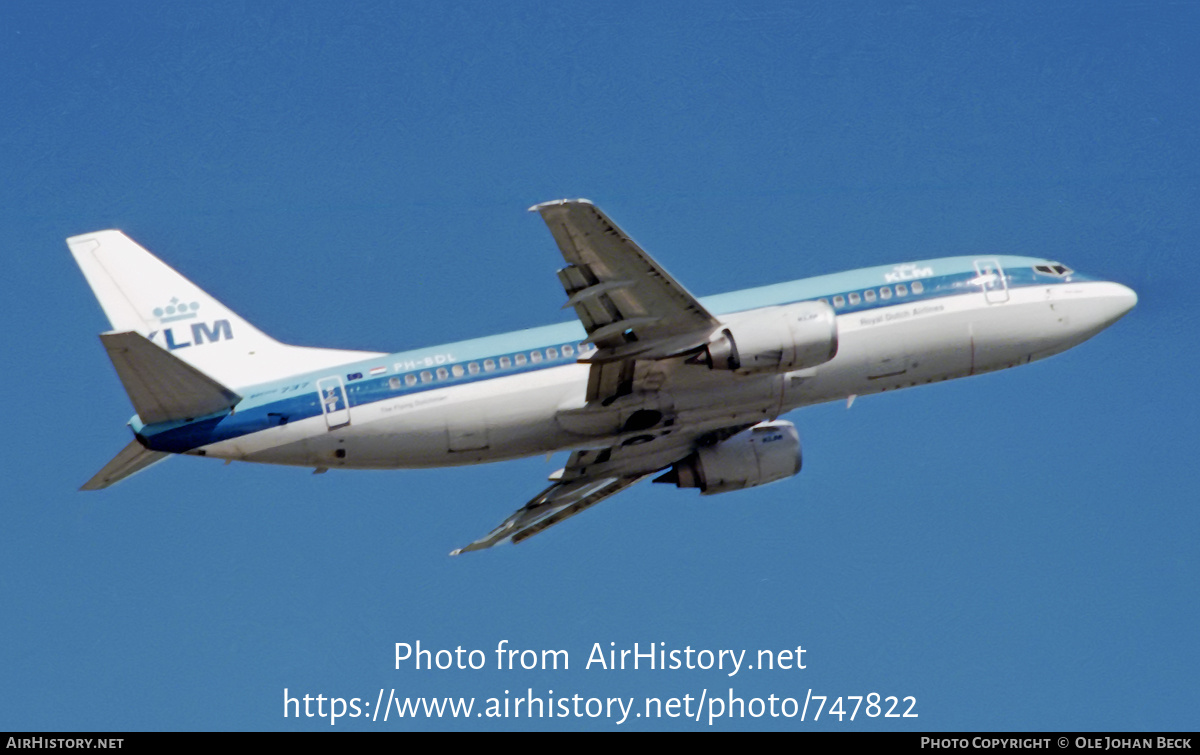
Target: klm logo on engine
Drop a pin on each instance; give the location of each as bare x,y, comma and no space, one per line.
198,334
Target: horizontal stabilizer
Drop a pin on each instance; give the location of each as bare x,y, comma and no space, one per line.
161,386
132,459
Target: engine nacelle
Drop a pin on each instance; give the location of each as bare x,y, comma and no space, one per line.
767,452
778,339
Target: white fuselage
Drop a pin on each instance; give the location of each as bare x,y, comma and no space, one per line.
906,344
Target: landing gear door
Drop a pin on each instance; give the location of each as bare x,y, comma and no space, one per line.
335,407
991,278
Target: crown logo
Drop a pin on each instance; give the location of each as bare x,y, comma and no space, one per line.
176,310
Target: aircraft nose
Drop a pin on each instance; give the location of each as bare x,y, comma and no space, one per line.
1130,297
1121,300
1104,303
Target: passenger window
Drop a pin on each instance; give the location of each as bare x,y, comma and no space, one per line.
535,356
410,379
426,376
394,383
473,368
885,293
505,363
520,359
552,353
869,295
457,370
823,301
489,364
918,287
442,373
855,299
901,289
568,350
839,301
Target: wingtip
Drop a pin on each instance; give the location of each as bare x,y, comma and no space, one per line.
83,237
556,202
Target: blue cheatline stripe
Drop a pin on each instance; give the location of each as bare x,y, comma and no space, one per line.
279,403
303,403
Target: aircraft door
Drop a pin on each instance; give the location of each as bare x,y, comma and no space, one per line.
334,405
991,277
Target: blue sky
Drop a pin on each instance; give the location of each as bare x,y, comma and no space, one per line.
1016,550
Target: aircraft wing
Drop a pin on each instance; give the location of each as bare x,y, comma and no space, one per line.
558,502
631,309
629,305
591,475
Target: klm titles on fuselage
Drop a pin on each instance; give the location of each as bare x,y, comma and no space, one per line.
200,332
907,272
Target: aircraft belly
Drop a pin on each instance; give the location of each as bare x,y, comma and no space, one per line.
722,399
520,411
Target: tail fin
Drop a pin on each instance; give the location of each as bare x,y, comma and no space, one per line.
140,293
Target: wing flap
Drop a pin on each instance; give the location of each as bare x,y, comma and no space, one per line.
161,386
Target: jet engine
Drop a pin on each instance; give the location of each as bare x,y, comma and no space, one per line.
779,339
767,452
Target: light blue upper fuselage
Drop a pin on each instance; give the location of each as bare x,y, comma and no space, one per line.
380,378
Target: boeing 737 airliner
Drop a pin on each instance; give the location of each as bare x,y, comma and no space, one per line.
649,380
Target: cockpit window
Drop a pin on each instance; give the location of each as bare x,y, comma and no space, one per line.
1054,268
